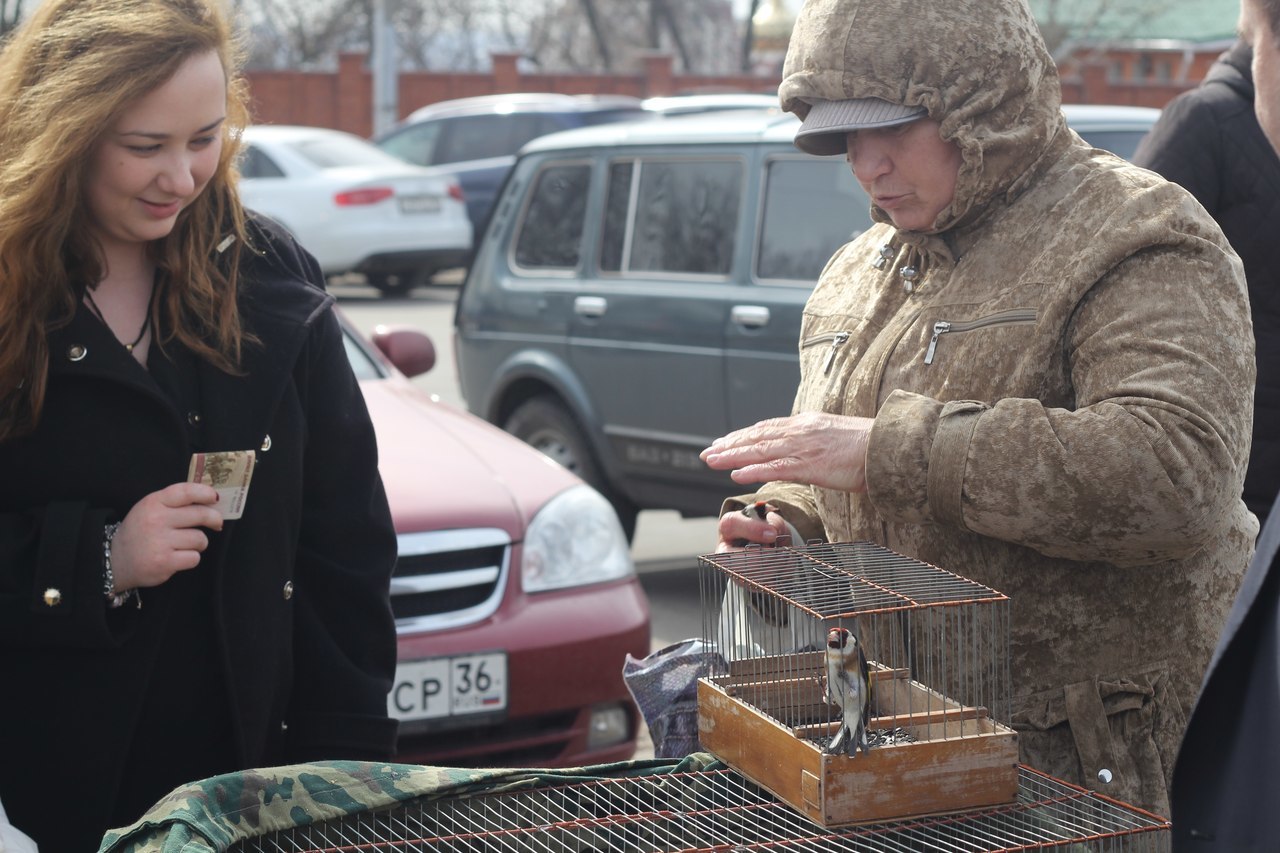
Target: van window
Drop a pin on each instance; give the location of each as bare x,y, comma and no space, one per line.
811,208
671,216
551,230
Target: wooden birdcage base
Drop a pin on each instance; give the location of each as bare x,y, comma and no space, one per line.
961,759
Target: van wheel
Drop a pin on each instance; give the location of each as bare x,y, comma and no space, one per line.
546,425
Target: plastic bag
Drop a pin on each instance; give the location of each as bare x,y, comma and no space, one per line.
664,685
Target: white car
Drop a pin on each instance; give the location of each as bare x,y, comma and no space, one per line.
354,207
673,106
1117,129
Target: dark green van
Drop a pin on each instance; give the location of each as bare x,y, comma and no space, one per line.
638,292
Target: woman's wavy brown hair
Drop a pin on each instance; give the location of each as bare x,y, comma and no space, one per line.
65,77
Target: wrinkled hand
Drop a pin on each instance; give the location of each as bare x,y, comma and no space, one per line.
814,448
161,535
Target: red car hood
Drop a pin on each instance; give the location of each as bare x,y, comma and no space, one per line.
444,468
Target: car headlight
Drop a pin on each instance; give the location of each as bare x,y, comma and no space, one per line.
575,540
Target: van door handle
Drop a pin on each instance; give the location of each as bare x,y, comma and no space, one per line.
590,306
750,316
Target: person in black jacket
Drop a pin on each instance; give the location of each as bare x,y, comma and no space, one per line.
150,637
1209,141
1225,786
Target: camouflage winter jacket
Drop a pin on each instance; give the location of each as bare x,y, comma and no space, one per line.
1061,375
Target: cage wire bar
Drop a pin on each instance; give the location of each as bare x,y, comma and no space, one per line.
938,643
716,810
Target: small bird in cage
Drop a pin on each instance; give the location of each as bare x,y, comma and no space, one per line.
849,687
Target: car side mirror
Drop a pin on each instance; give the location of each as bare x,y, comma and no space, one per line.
410,350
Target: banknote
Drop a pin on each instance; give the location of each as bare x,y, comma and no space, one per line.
229,472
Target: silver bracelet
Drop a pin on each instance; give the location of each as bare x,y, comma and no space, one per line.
114,599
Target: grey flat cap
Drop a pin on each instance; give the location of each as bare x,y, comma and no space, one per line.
824,128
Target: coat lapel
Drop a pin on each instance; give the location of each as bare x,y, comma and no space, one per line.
238,409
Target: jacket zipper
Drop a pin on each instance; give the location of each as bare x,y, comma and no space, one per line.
940,328
836,339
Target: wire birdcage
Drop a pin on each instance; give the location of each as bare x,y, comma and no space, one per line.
937,643
716,810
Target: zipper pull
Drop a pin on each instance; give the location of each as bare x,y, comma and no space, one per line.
836,343
939,328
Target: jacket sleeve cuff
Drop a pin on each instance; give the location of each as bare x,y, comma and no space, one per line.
794,503
65,605
916,458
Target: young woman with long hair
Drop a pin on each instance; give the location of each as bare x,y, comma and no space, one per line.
151,633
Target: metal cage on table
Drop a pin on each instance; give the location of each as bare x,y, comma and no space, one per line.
938,651
716,810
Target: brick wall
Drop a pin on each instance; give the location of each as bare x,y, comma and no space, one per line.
344,100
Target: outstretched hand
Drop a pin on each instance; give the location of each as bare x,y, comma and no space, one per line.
161,535
814,448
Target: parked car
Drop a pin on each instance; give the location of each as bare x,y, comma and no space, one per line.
476,139
674,106
1117,129
354,207
639,293
515,597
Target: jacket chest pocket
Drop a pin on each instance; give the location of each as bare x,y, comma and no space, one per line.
821,356
825,348
941,328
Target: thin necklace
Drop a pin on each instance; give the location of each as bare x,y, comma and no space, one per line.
146,322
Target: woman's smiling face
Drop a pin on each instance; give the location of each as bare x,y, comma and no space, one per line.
158,156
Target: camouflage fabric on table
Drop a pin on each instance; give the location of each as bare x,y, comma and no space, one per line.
215,813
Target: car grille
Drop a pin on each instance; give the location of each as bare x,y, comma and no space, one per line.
448,578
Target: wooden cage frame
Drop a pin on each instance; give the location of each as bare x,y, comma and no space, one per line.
961,758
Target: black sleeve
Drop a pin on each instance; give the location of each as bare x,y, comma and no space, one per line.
51,580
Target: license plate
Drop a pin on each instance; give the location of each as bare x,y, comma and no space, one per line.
419,203
446,687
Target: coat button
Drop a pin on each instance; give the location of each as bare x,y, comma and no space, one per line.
193,419
288,590
52,597
284,727
266,443
76,352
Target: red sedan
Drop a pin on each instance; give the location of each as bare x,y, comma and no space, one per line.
515,596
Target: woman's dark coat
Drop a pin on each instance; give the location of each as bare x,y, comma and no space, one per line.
303,633
1208,140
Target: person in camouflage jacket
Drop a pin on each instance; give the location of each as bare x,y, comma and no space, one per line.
1046,388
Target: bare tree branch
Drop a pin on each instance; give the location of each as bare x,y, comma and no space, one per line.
1068,24
662,12
597,30
749,37
306,33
